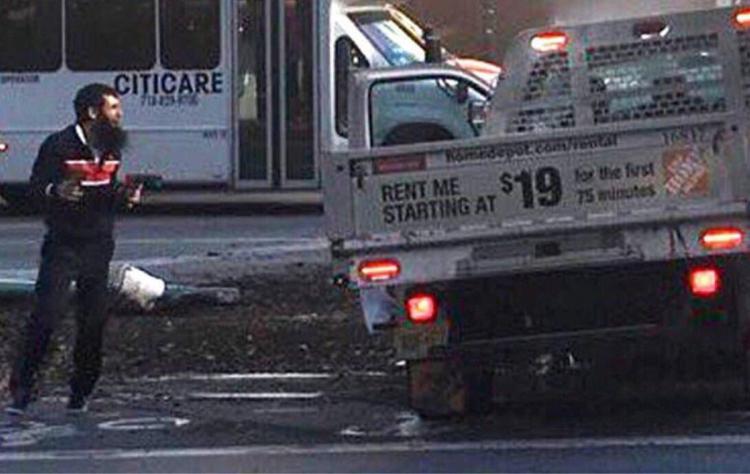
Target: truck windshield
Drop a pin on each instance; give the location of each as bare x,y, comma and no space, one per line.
391,39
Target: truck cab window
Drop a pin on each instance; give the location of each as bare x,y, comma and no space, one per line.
422,109
348,57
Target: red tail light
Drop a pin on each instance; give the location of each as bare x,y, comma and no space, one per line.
722,238
704,282
379,270
550,42
3,147
421,308
742,18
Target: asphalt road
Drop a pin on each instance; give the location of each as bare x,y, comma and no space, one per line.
320,422
155,242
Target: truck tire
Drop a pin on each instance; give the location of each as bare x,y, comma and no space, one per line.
478,386
475,318
448,387
435,388
457,385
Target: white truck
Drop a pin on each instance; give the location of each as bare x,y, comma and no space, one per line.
599,223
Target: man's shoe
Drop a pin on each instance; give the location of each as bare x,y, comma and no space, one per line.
77,404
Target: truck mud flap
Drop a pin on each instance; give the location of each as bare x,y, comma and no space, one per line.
436,387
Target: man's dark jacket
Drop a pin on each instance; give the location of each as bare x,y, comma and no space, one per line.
91,218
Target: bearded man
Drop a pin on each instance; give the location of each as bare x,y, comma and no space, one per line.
75,179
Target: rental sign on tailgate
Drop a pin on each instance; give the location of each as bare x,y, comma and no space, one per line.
524,182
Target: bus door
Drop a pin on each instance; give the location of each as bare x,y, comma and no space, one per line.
299,168
254,110
275,95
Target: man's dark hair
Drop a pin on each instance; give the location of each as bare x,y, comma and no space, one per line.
91,95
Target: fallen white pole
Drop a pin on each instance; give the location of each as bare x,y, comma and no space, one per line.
137,287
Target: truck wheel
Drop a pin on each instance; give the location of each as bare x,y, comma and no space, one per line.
441,388
479,390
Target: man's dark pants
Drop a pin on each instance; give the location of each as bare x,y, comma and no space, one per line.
65,260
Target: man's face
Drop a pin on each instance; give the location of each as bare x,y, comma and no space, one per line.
111,110
106,131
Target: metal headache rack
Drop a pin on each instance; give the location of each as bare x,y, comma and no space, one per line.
680,65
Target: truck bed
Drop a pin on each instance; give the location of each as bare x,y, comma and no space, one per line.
625,145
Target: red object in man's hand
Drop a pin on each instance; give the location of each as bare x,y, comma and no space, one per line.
91,173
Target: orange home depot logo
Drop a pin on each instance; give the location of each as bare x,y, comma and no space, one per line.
685,172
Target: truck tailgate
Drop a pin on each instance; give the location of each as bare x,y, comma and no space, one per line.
508,182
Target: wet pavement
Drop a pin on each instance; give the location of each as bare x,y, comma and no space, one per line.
333,422
289,381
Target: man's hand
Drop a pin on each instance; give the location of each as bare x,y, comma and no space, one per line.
69,190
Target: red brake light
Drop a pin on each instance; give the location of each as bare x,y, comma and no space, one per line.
722,238
3,147
379,270
742,18
704,282
421,308
550,42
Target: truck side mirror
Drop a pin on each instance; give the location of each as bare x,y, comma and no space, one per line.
342,60
433,46
462,92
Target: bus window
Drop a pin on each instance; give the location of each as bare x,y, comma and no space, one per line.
190,36
30,35
110,35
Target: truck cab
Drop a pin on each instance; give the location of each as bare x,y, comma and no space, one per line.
377,35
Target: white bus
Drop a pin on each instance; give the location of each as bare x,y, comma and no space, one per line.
217,93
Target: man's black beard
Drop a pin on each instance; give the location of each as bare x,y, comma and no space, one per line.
107,138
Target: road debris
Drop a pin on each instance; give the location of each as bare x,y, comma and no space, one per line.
135,288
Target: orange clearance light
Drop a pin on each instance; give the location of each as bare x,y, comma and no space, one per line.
421,308
379,270
3,147
704,282
742,18
550,42
722,238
